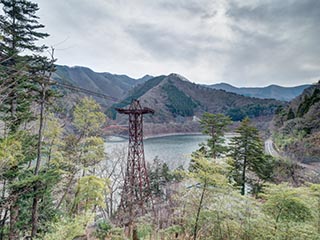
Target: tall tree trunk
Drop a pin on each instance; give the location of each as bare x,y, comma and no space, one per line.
135,233
195,230
214,154
243,187
14,50
66,191
14,213
75,205
111,204
35,215
3,221
35,205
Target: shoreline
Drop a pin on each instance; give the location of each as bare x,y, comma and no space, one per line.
158,135
230,134
169,134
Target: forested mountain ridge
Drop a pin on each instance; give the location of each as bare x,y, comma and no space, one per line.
118,85
176,99
297,126
106,83
271,91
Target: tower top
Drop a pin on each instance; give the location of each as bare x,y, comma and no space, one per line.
135,108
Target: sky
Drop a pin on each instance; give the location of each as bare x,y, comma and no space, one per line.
240,42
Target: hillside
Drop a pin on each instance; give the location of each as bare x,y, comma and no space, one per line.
180,102
272,91
297,126
110,84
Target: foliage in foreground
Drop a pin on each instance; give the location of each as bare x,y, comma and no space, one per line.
68,227
51,176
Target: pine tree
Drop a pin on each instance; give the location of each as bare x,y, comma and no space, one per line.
247,153
19,29
24,82
215,126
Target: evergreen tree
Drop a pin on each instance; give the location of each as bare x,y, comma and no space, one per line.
290,114
19,29
160,176
215,126
247,153
24,82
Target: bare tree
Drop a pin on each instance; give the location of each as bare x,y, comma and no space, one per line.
114,170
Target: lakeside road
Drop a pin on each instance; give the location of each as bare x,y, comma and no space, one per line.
269,148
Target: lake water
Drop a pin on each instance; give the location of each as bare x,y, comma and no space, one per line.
175,150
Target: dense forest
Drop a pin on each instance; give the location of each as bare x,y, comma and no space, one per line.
56,181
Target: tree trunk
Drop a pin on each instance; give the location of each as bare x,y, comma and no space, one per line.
243,187
111,204
135,233
35,215
14,213
65,192
199,210
75,204
214,155
35,205
3,221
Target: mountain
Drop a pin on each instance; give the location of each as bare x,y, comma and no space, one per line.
297,126
272,91
110,84
118,85
177,100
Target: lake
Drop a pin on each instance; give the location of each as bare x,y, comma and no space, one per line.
175,150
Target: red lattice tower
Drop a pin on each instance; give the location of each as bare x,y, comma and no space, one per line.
136,189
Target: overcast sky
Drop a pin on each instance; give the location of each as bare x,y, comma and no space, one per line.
241,42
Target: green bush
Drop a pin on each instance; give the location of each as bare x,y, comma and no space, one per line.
103,229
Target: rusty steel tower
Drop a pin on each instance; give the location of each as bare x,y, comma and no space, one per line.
136,189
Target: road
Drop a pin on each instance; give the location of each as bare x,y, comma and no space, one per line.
269,148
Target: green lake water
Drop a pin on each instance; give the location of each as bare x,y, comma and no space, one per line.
175,150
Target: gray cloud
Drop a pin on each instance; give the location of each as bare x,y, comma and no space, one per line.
278,41
246,43
165,44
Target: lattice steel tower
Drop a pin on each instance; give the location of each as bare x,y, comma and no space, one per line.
136,189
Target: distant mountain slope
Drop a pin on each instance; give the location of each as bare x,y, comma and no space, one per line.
297,126
272,91
135,93
176,99
107,83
